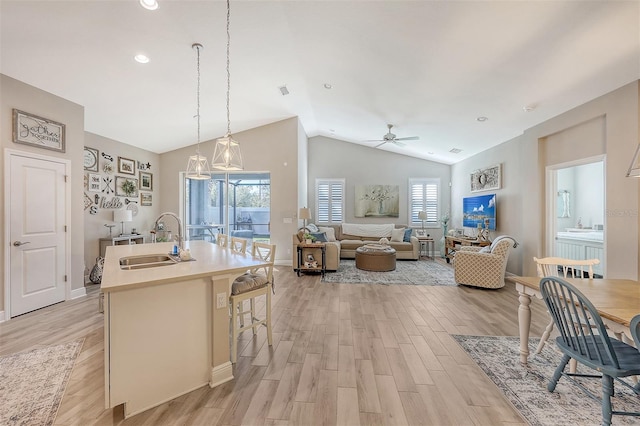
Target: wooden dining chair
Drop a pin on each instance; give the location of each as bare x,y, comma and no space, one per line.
222,240
254,283
590,346
239,245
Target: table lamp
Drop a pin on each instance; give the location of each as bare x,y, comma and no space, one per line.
304,214
122,216
422,216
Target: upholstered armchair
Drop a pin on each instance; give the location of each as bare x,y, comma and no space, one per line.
483,267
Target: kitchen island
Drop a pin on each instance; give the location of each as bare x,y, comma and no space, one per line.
166,328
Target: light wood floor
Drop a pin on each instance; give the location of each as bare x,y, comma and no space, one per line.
343,354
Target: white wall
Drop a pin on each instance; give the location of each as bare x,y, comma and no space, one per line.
15,94
606,125
143,222
361,165
272,148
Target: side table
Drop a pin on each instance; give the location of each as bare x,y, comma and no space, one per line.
425,244
304,249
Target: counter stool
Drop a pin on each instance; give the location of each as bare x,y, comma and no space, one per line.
239,245
222,240
256,282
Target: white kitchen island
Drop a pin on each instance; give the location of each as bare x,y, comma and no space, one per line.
166,328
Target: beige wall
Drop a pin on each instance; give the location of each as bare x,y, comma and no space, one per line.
303,171
143,222
361,165
272,148
606,125
15,94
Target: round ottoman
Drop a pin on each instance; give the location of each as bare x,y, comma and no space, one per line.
376,258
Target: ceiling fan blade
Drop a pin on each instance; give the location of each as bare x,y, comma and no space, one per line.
399,143
374,140
380,144
410,138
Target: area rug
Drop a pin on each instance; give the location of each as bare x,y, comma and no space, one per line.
32,383
526,387
420,272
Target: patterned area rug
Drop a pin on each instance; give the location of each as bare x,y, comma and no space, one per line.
526,387
421,272
32,383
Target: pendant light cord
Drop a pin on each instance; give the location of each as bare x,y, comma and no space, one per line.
198,100
228,72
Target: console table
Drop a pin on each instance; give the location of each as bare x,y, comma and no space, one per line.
452,243
118,241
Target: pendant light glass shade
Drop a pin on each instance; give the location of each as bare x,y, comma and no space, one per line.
226,154
198,165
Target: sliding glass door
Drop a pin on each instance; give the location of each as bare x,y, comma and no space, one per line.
235,203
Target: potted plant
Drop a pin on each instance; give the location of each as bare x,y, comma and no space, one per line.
308,238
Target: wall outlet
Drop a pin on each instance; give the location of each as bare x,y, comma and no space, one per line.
221,300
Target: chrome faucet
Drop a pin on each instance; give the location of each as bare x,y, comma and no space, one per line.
175,216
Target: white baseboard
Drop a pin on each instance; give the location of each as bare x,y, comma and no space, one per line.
78,292
2,318
220,374
283,262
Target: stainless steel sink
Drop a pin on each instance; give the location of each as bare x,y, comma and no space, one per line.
146,261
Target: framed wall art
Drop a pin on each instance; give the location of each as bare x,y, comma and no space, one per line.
486,179
146,181
90,159
126,186
146,198
126,166
94,182
377,201
29,129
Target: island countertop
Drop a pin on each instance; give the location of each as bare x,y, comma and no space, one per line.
210,259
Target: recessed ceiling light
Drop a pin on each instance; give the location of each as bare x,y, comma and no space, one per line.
327,86
528,108
149,4
143,59
481,119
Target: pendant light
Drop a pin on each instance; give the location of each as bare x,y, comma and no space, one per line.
198,166
226,155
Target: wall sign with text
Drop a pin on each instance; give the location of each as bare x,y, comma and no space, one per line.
32,130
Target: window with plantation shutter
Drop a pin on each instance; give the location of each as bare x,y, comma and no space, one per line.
424,195
329,200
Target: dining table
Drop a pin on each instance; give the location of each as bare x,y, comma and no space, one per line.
616,300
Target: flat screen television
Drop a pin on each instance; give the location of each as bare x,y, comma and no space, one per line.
480,209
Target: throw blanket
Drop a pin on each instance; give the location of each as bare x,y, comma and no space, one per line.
368,229
501,237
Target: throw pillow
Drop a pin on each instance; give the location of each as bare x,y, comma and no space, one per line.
321,237
331,233
407,235
312,228
397,235
485,249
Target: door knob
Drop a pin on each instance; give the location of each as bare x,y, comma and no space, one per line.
19,243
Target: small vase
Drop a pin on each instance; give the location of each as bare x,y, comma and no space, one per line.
442,240
308,241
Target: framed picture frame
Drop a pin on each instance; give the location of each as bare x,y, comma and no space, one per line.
126,166
30,129
90,159
146,199
95,182
126,187
146,181
486,179
421,232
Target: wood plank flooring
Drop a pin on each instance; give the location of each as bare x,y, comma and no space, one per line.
346,354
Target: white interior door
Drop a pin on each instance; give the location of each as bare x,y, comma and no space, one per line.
37,233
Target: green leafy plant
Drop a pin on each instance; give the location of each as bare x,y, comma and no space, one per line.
308,236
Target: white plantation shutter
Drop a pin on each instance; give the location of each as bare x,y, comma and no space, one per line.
329,200
424,196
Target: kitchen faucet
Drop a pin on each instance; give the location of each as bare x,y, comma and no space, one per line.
175,216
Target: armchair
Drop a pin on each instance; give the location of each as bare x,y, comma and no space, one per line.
483,267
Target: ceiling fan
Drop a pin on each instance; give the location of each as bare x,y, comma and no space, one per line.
391,138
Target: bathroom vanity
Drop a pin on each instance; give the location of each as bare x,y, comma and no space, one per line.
166,323
580,244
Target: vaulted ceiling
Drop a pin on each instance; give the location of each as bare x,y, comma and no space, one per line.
431,68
